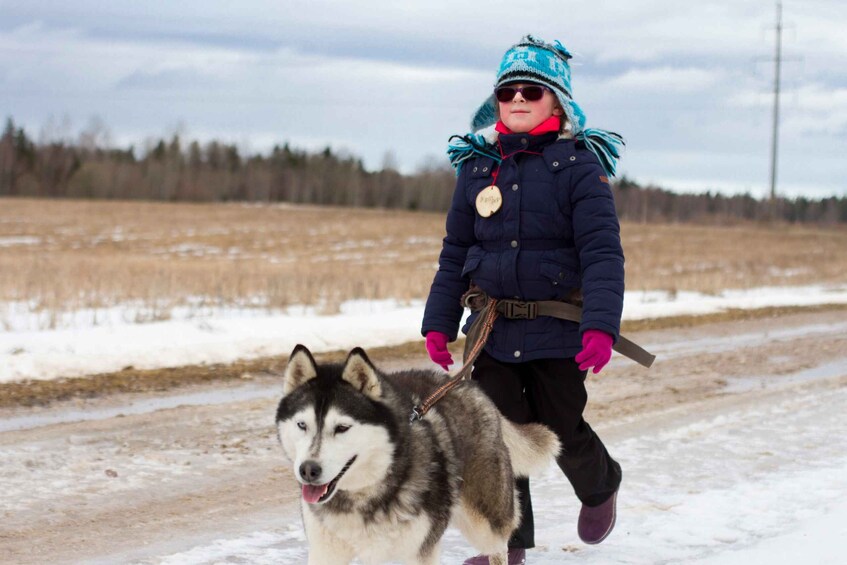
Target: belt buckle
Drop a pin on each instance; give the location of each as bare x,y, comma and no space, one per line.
517,310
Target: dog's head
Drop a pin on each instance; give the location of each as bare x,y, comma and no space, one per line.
334,428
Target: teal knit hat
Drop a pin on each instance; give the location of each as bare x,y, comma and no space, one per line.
533,60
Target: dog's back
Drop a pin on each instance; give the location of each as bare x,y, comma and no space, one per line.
467,408
490,450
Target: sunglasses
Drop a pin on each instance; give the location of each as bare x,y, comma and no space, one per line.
531,93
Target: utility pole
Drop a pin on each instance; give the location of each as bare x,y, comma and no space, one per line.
775,134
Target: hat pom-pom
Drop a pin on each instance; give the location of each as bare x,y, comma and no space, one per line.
562,51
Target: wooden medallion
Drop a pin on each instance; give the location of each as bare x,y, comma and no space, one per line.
488,201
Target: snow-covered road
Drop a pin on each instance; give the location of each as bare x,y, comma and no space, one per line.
759,479
750,467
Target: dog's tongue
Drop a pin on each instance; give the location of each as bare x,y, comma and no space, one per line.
313,493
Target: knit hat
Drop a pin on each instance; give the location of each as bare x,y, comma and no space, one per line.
533,60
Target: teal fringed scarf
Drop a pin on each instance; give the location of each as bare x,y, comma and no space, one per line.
606,145
460,148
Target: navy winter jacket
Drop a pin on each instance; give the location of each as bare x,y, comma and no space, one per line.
557,230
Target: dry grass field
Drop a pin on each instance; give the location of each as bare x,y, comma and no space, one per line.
59,255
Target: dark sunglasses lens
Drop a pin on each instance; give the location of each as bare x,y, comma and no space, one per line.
530,93
505,93
533,93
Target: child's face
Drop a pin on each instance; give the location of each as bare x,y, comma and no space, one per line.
521,115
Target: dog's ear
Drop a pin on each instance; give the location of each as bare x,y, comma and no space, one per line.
301,368
360,372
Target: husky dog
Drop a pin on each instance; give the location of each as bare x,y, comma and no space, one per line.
379,488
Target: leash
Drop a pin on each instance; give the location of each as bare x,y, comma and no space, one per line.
489,308
477,336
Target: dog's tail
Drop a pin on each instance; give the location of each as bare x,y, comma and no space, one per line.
531,447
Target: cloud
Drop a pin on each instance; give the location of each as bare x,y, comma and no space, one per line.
169,79
665,79
819,109
67,60
812,109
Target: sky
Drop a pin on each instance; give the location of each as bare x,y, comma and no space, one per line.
689,85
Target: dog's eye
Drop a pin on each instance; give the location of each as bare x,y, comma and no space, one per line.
302,425
341,428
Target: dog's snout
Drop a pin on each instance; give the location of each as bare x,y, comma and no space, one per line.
310,471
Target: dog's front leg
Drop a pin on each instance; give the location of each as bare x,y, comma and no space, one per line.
430,558
324,548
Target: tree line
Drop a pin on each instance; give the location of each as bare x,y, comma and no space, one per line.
173,170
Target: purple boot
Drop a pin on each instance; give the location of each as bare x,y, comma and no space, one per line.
597,522
516,557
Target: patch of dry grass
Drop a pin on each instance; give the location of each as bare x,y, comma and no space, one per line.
63,255
709,259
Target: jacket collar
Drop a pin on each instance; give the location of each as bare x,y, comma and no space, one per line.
511,143
558,153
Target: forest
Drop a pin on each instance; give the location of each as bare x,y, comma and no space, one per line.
173,169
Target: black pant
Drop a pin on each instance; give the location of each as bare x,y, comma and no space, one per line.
551,392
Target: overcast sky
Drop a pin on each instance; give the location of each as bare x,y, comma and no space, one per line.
689,85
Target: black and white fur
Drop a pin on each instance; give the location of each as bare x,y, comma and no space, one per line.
378,488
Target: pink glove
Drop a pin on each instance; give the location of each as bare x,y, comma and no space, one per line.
596,350
436,346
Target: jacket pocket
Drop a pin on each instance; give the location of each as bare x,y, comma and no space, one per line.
471,262
481,268
560,276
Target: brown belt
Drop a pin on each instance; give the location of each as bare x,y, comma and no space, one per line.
516,310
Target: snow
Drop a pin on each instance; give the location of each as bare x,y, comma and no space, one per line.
45,346
758,481
808,542
653,304
13,241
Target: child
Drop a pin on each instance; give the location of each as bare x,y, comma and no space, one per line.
533,218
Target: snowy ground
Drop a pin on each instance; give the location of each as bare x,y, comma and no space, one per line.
106,340
733,448
763,483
